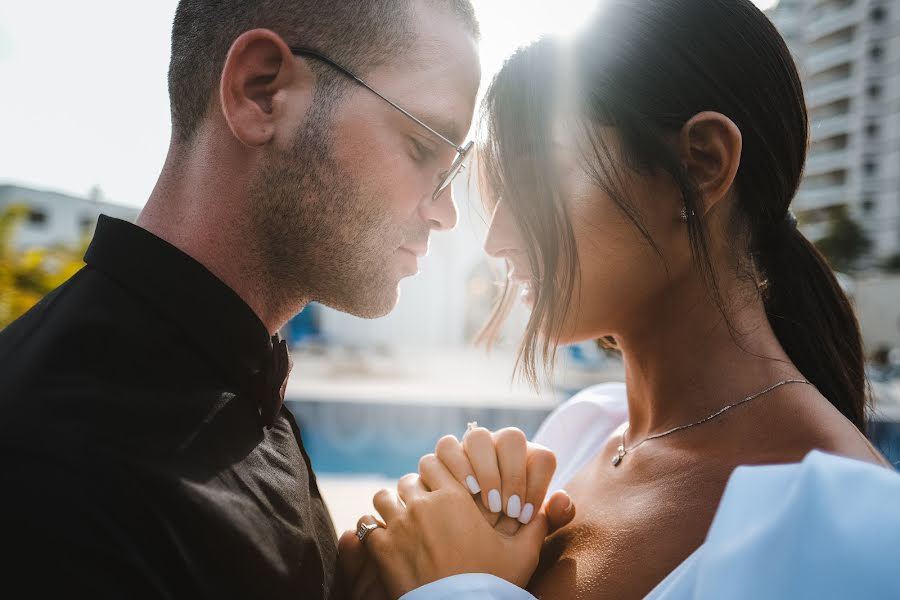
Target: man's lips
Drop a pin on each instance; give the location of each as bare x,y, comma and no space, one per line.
417,251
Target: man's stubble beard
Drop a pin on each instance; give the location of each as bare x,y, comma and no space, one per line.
320,235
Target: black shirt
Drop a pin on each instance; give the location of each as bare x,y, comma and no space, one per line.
134,459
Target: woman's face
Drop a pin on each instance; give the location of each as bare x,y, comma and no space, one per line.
622,282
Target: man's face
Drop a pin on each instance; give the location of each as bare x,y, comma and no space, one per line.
347,210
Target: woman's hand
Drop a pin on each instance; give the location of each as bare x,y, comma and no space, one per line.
510,474
506,462
434,530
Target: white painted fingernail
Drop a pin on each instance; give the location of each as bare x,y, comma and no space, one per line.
494,501
473,484
527,513
513,507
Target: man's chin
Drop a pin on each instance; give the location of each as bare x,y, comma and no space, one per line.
371,306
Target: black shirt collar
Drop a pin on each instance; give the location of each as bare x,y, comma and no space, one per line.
210,313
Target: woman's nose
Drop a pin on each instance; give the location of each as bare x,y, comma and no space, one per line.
502,238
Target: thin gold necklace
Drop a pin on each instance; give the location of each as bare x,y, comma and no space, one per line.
621,451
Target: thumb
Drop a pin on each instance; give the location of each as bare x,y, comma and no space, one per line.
560,510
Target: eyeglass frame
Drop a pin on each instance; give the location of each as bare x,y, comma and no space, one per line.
462,152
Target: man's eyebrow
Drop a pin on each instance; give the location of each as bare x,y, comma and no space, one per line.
448,128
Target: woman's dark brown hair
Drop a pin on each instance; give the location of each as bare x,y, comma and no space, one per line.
645,67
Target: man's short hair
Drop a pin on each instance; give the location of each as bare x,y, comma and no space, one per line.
359,34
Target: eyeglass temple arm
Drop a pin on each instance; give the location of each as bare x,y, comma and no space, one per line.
305,52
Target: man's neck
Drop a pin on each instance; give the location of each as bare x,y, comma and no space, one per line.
199,212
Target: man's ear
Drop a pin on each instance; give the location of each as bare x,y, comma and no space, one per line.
258,73
710,148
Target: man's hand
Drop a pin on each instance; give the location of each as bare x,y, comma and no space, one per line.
357,574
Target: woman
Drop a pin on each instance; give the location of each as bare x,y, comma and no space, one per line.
641,178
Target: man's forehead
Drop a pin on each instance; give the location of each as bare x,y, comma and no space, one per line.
444,71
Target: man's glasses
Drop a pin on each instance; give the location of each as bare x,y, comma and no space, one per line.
462,152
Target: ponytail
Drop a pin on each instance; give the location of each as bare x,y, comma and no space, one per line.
813,319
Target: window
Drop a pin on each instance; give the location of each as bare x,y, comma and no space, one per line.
872,130
876,52
874,91
868,205
37,217
870,167
878,14
86,223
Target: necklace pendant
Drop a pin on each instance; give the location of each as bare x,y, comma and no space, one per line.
620,453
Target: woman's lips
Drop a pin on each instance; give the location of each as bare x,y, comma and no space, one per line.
527,288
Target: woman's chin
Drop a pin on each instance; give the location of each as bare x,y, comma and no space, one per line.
574,335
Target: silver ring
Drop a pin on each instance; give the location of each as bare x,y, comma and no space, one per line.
362,530
471,425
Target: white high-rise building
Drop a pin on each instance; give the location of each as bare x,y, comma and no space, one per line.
848,53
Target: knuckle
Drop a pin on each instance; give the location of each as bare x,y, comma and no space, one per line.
544,457
477,436
426,462
381,496
446,445
364,519
512,435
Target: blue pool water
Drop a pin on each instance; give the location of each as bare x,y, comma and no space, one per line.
886,437
386,439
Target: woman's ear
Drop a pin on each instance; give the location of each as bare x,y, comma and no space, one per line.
710,148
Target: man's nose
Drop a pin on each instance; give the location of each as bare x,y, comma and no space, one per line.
440,212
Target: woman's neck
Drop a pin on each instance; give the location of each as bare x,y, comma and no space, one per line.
689,362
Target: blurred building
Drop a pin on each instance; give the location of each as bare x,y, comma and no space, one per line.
58,219
848,53
876,297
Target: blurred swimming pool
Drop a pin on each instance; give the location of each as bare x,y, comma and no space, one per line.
388,439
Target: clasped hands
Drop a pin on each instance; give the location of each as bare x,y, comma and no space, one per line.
475,506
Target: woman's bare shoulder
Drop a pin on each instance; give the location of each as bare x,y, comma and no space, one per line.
811,423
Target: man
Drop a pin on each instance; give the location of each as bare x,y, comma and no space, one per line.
146,451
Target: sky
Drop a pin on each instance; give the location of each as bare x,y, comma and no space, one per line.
84,100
